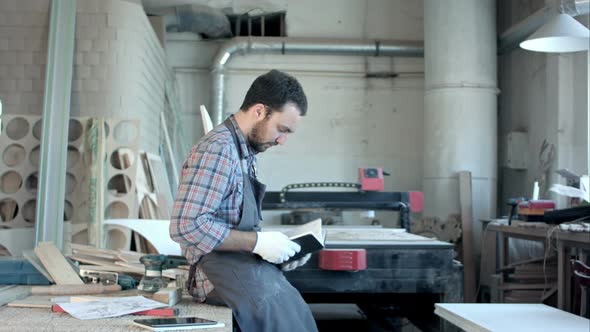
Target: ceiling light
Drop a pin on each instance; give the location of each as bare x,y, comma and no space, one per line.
560,35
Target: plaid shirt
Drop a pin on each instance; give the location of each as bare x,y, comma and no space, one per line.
209,199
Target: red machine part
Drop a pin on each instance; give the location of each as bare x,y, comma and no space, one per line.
416,201
343,259
371,179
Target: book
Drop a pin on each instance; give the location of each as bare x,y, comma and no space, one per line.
309,236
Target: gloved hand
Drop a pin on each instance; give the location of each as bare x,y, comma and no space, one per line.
275,247
295,264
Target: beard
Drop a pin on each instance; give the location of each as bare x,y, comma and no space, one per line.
255,139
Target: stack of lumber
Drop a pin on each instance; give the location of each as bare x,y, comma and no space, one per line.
119,261
531,281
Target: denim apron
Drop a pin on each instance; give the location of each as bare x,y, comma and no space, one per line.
261,298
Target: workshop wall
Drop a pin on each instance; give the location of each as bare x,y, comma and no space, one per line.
23,54
353,121
545,96
119,66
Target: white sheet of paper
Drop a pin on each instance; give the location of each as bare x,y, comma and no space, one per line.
110,308
569,191
155,231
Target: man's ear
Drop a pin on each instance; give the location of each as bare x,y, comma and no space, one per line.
260,111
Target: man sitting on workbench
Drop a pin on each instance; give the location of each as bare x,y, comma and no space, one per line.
217,211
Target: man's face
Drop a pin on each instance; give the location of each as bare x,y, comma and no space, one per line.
273,130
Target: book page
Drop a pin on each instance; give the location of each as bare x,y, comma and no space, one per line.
313,227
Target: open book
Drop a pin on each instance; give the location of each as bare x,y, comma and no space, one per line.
309,236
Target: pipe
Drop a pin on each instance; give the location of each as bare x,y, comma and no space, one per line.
511,38
313,46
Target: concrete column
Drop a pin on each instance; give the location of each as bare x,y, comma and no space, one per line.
460,106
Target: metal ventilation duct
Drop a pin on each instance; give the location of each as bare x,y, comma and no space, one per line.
314,46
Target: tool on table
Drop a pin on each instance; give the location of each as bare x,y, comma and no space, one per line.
99,277
513,203
126,282
154,265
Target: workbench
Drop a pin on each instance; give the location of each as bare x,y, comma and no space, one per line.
563,240
522,317
42,319
405,272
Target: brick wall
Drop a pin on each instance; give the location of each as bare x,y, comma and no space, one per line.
119,65
23,53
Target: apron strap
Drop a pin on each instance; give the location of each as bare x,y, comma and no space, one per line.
190,283
230,125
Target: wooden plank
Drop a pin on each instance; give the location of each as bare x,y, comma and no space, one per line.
92,260
112,268
139,242
100,238
532,276
562,260
57,265
13,293
488,257
164,196
511,286
169,149
89,250
33,301
129,256
74,289
170,296
466,201
32,258
528,261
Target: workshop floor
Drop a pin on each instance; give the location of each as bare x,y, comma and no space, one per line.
348,317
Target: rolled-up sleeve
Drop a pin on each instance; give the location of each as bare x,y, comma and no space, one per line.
203,184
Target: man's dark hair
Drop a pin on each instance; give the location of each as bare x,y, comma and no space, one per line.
275,89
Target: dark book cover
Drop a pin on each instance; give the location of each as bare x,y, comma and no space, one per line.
309,244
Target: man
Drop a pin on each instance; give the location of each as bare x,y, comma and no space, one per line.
218,208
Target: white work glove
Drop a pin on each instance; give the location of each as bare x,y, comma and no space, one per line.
275,247
295,264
